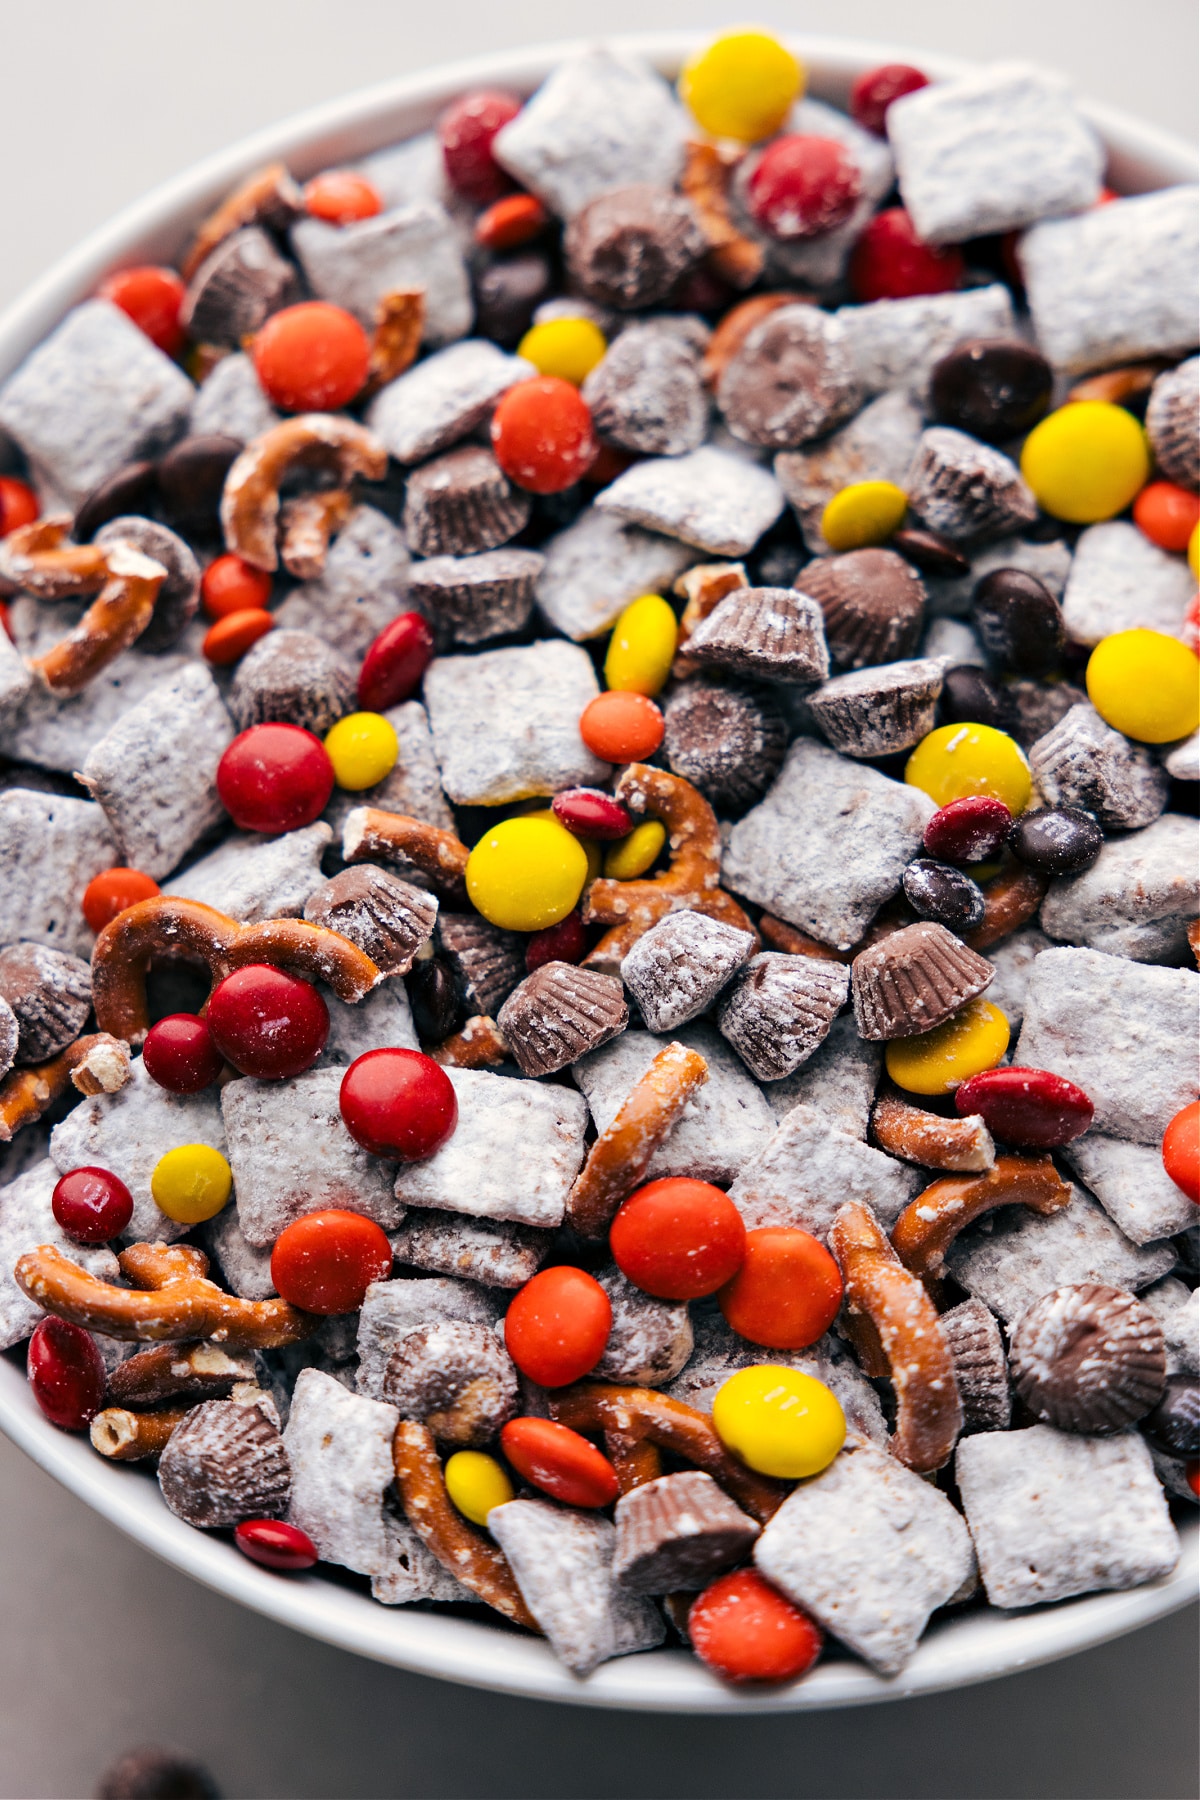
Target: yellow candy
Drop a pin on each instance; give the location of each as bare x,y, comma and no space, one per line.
633,855
1193,552
568,348
956,760
363,748
742,86
779,1421
476,1483
591,849
1145,684
191,1183
973,1040
526,874
642,647
1086,461
866,513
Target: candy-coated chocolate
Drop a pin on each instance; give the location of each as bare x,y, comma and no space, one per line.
395,664
226,642
557,1326
513,220
267,1023
1086,461
620,727
636,853
326,1261
956,760
742,86
678,1239
746,1630
363,748
642,647
560,1462
994,388
591,813
398,1103
475,1483
929,552
1167,513
92,1205
874,90
1145,684
153,298
948,896
779,1421
969,830
1019,621
465,131
312,357
564,942
435,1000
276,1545
936,1062
179,1053
66,1373
275,778
526,874
802,185
231,585
786,1292
970,697
1057,840
542,434
1174,1425
891,263
110,892
567,348
18,504
1028,1107
191,1183
865,513
1181,1150
341,197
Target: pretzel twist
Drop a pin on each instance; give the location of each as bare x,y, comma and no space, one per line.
635,1459
926,1138
95,1064
168,925
1009,902
479,1045
170,1371
928,1226
38,560
904,1326
250,501
619,1158
371,834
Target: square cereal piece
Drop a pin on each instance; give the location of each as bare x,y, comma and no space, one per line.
598,565
870,1550
59,733
360,590
253,878
414,786
412,246
16,682
562,1559
128,1132
1132,1186
50,848
443,399
244,1268
392,1309
878,444
291,1154
810,1168
603,120
893,344
382,1020
27,1221
1123,1031
1177,1309
649,1340
95,395
1138,897
828,844
493,1252
414,169
1115,284
339,1446
413,1572
230,402
1054,1514
992,151
1013,959
155,772
724,1125
838,1080
516,1149
716,499
506,723
1024,1255
1120,581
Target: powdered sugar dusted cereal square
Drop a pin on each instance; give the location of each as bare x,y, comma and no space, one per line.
50,848
252,878
391,1309
810,1168
878,444
493,1252
1013,959
715,499
442,399
893,344
412,246
412,1572
26,1222
245,1268
230,402
339,1446
838,1080
1120,581
360,590
1132,1186
598,565
381,1021
1138,897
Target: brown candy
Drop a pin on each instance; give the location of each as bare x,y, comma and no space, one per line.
132,490
728,740
966,491
226,1462
191,479
236,289
489,962
913,980
646,394
629,247
678,1532
291,678
50,995
559,1013
790,380
1089,1358
471,599
778,1011
387,918
456,1378
873,604
880,710
460,503
773,633
980,1366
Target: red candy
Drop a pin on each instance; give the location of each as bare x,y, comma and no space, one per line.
92,1205
341,196
542,434
746,1630
968,830
560,1462
276,1545
620,727
557,1326
678,1239
18,504
232,585
466,130
312,358
110,892
803,186
1191,1474
1181,1150
66,1373
267,1024
891,263
590,813
179,1053
1167,514
326,1261
787,1291
564,942
152,298
226,642
275,778
511,221
395,663
875,89
398,1103
1028,1107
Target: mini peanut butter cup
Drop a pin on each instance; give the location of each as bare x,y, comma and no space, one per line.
677,1532
388,918
779,1010
558,1014
914,980
460,503
774,633
878,711
488,961
1089,1357
1173,423
471,599
873,603
726,739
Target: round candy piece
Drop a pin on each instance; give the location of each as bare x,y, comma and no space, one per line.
180,1055
802,185
363,748
1019,621
267,1023
1057,840
275,778
591,813
937,1061
231,585
779,1421
516,219
1086,461
110,892
326,1261
567,348
929,552
191,1183
395,664
66,1373
564,942
434,997
970,697
1181,1150
642,647
874,90
891,263
275,1545
18,504
742,86
1145,684
475,1483
226,642
1174,1425
938,891
153,298
787,1291
968,830
313,357
636,853
398,1103
1167,514
92,1205
341,197
1193,553
746,1630
465,131
865,513
619,727
956,760
557,1325
993,388
526,874
560,1462
542,435
1028,1107
678,1239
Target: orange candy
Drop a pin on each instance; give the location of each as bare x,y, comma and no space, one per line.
228,640
340,196
557,1326
511,221
312,357
620,727
559,1461
231,585
1167,514
787,1291
110,892
18,504
747,1630
1181,1150
542,434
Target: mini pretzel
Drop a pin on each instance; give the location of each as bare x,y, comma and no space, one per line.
307,524
168,925
635,1459
96,1064
703,587
1119,385
116,618
1193,938
928,1226
439,855
269,196
643,1413
174,1371
782,936
881,1292
707,172
927,1138
470,1557
124,1436
733,330
37,559
183,1305
690,882
399,324
620,1156
1008,903
479,1045
250,501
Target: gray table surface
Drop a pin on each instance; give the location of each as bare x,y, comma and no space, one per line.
102,1647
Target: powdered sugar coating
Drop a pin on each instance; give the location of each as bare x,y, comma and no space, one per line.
42,894
493,1252
838,1080
810,1168
230,402
881,710
1120,581
1083,762
244,1268
1132,1186
878,444
894,344
676,969
339,1445
598,565
650,1340
779,1010
967,491
414,786
1138,897
382,1020
26,1222
1013,959
252,877
711,498
410,246
359,591
391,1309
442,399
980,1366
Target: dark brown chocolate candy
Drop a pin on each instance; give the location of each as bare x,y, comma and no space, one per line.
1174,1425
179,596
461,503
191,479
913,980
873,603
929,552
646,394
1057,840
1019,622
226,1462
488,962
790,381
995,388
772,633
133,489
980,1366
1088,1357
291,678
387,918
559,1013
150,1774
948,896
456,1378
508,293
470,599
971,697
435,998
728,740
779,1009
236,289
678,1532
50,995
628,248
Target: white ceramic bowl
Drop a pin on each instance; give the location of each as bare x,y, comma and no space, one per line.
972,1648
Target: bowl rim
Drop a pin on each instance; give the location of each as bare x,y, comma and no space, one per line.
957,1651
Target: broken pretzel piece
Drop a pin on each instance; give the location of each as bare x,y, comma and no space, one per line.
479,1045
177,1371
438,855
708,171
904,1327
619,1158
926,1138
37,559
703,587
929,1225
268,197
399,324
782,936
95,1064
1009,902
307,526
325,442
124,1436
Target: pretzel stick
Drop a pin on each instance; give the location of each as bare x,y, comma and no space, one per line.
438,855
929,1225
116,618
620,1156
36,559
927,1138
124,1436
1008,903
269,196
96,1064
171,1371
782,936
399,323
910,1336
250,501
471,1558
308,523
636,1460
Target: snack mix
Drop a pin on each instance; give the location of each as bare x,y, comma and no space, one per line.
599,863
